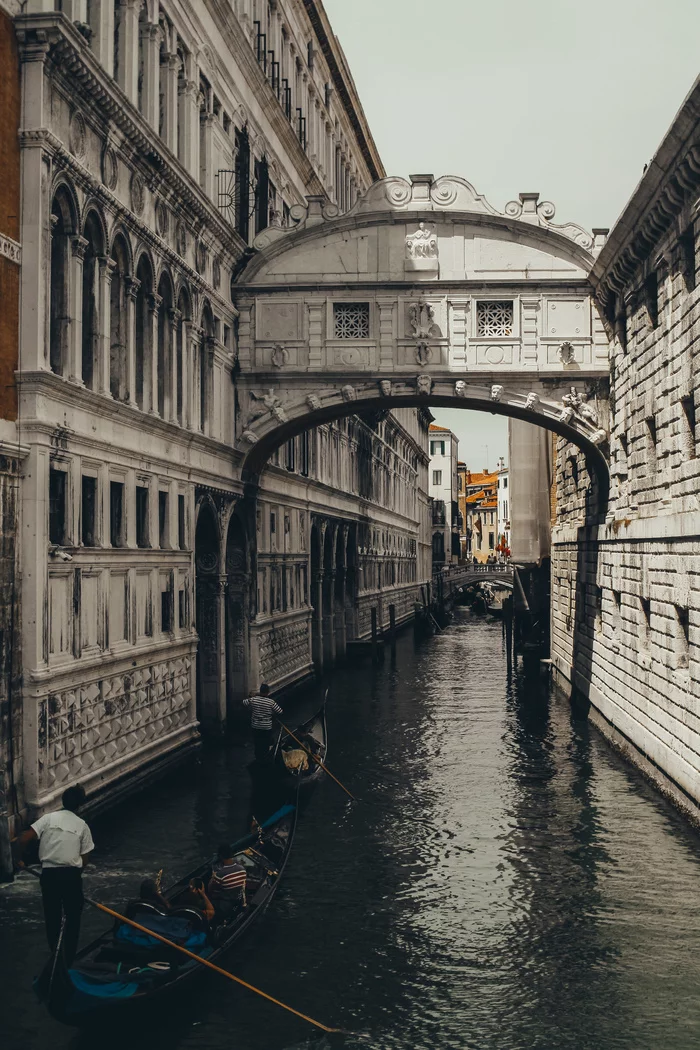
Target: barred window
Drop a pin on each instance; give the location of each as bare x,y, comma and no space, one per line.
351,320
494,318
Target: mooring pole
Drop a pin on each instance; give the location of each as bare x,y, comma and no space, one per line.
392,633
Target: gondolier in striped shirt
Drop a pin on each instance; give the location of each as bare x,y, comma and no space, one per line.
262,708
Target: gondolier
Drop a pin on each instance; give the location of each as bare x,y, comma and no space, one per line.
262,708
64,844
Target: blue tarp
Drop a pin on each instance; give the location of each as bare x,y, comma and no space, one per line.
174,928
101,989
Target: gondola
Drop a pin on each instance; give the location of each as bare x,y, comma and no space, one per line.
120,973
295,765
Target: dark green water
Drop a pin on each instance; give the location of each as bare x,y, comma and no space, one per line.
508,884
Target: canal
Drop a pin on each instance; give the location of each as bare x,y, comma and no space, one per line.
507,881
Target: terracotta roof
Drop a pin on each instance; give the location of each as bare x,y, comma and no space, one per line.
490,504
475,478
475,497
443,430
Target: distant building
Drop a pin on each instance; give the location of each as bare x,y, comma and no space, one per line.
479,499
503,492
443,490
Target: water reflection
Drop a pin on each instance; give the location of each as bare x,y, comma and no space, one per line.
505,883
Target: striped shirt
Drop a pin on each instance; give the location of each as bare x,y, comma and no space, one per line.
262,710
226,879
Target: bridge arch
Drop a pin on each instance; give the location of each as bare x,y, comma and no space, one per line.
422,295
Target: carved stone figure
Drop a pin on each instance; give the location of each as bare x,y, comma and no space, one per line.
422,319
424,384
348,393
566,415
422,244
271,404
423,353
599,437
280,355
385,387
496,392
573,399
313,402
460,388
533,401
249,436
566,353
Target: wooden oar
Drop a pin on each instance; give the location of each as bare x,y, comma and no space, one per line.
204,962
317,760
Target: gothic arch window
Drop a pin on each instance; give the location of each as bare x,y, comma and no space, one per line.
143,331
165,340
118,335
62,228
94,250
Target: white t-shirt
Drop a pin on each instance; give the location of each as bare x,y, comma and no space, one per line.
63,838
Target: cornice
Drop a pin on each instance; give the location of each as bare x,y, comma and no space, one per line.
79,72
668,185
345,87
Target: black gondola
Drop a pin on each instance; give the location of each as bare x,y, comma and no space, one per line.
121,972
297,767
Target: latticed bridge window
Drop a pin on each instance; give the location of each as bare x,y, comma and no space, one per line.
351,320
494,318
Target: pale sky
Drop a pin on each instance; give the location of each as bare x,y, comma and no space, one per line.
570,98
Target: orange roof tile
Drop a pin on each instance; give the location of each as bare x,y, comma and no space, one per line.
443,430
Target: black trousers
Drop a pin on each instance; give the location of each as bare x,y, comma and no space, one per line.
62,894
263,739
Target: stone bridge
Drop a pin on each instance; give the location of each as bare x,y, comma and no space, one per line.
422,294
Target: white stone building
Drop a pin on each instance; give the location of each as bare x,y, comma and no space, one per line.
503,515
158,139
444,492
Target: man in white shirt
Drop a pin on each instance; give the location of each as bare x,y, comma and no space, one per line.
262,708
64,843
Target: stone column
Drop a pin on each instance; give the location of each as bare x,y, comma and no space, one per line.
128,48
132,290
171,380
190,128
150,368
150,37
206,160
387,335
107,268
458,332
221,611
169,70
529,306
35,205
316,311
75,340
195,337
329,621
185,344
317,626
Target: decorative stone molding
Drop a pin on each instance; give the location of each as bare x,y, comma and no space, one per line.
10,249
422,249
249,436
138,195
422,319
110,167
279,356
566,353
76,135
181,239
161,218
216,273
271,403
424,353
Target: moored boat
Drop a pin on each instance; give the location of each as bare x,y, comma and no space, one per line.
125,970
299,766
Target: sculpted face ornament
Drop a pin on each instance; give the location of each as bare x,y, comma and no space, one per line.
249,436
313,402
348,393
496,392
460,388
271,404
385,387
566,415
533,401
424,384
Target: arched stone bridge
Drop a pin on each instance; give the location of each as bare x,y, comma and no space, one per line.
422,294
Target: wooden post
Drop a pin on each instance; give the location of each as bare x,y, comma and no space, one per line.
375,652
